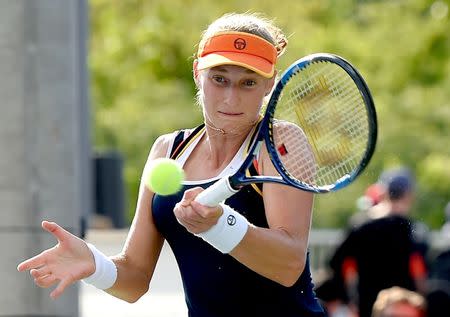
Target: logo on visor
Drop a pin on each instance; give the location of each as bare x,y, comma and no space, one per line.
240,44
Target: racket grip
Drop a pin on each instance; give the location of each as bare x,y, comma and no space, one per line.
216,193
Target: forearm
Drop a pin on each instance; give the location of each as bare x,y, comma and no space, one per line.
272,253
279,252
132,282
119,276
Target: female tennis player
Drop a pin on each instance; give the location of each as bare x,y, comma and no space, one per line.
258,265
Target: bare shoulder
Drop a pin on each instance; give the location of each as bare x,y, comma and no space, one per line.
159,148
161,145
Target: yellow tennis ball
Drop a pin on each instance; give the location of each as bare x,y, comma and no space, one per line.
164,176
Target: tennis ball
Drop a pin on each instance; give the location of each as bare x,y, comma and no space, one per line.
164,176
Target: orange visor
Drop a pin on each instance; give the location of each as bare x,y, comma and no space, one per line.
241,49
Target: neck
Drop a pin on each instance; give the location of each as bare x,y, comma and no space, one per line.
221,144
213,130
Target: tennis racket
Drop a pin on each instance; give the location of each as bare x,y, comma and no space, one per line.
319,128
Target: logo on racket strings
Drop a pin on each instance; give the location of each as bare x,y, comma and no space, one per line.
282,149
319,114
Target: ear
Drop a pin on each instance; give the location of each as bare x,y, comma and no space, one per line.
271,83
195,70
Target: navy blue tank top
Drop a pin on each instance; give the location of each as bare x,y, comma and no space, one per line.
216,284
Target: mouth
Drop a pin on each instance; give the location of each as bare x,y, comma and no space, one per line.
233,114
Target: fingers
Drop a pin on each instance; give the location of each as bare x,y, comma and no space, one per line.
195,217
39,260
186,212
46,281
55,264
189,195
191,209
207,212
187,217
40,272
59,233
60,288
45,278
204,211
34,262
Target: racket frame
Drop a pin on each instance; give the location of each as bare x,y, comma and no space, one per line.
265,131
228,186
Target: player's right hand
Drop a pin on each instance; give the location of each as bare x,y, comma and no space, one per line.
195,217
69,261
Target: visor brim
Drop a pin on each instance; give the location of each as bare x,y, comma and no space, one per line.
257,64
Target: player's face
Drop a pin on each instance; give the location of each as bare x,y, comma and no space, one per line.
232,96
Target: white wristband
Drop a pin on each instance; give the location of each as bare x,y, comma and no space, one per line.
229,230
105,274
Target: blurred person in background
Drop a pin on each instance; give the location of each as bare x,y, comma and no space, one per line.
445,230
330,288
399,302
373,195
382,251
438,284
400,194
333,298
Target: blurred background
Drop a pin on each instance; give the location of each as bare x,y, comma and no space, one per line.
140,63
88,85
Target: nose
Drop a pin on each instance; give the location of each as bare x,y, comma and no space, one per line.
232,96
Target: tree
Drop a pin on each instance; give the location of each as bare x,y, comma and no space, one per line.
141,56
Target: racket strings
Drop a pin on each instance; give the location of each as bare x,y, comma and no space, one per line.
322,102
295,152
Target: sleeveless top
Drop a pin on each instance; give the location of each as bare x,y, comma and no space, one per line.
216,284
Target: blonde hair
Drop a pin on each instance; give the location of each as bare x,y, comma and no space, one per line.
253,23
394,295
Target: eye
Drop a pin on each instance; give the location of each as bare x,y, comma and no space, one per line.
219,79
249,83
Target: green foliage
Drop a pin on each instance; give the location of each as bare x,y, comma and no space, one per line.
141,58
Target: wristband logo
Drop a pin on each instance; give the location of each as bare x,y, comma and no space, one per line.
231,220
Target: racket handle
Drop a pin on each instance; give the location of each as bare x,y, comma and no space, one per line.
216,193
